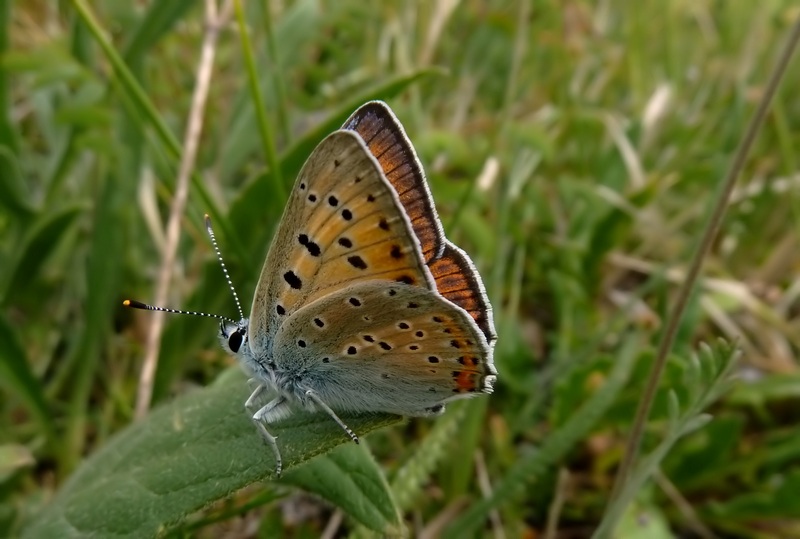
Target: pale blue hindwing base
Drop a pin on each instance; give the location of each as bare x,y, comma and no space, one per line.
365,369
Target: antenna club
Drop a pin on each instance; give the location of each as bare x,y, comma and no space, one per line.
207,220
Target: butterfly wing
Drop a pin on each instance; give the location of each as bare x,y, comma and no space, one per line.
406,350
454,273
459,282
343,224
386,139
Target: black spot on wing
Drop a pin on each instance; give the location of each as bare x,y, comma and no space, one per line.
293,280
357,262
312,248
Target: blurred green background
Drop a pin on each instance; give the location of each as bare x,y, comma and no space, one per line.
573,149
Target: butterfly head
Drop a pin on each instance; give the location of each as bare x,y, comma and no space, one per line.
233,336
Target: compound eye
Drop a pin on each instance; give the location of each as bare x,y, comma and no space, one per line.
235,341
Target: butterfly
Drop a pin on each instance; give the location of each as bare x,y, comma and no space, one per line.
362,305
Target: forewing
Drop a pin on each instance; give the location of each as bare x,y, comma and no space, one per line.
386,139
455,275
343,224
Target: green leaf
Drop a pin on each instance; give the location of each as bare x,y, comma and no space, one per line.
350,478
8,131
713,365
409,480
158,20
14,457
200,448
771,388
14,195
533,465
780,499
39,243
644,521
16,373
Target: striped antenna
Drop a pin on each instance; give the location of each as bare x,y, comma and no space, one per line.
133,304
222,263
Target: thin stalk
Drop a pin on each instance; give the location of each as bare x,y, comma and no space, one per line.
261,113
710,232
277,79
194,128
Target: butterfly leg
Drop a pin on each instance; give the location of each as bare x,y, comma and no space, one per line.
314,397
253,398
261,417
